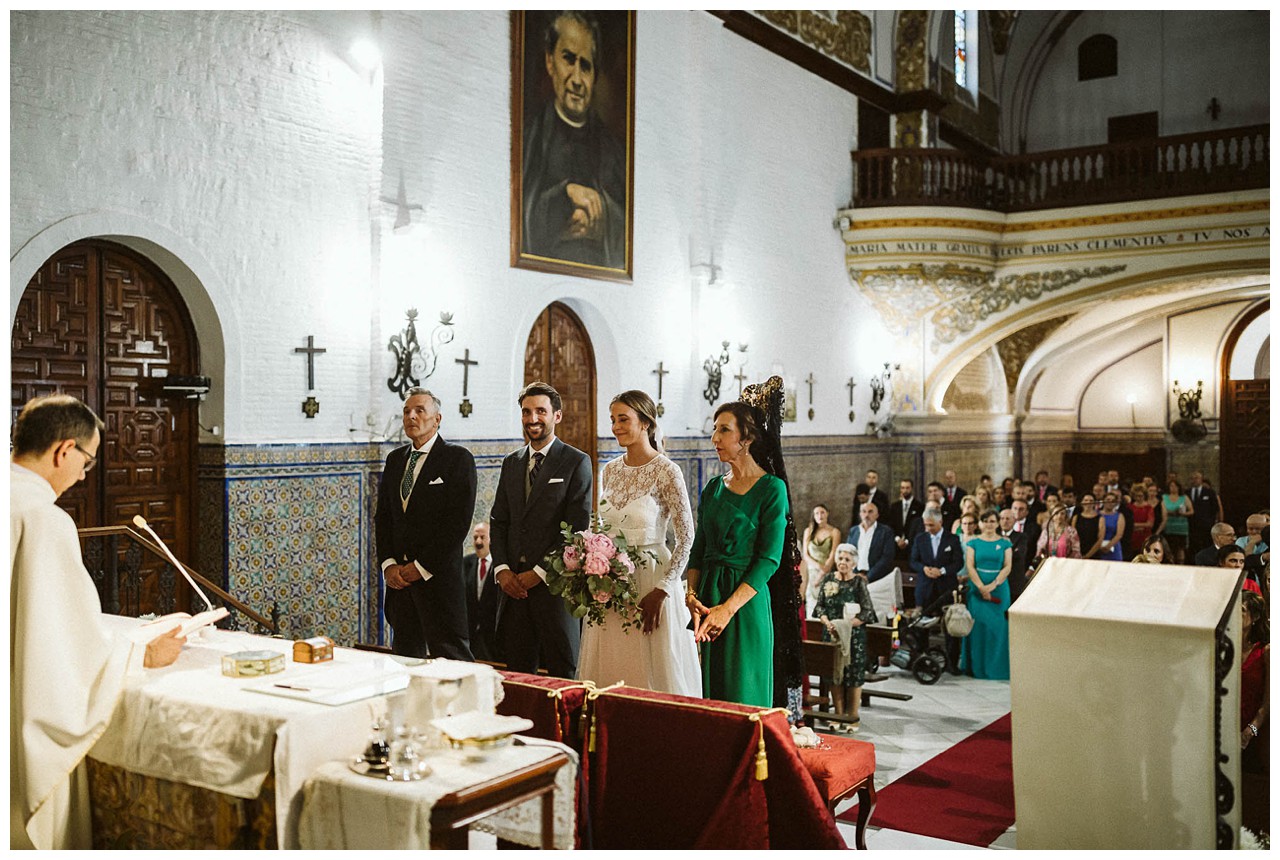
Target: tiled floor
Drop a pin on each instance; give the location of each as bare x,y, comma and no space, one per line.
907,734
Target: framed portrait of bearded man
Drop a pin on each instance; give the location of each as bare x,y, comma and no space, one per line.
572,142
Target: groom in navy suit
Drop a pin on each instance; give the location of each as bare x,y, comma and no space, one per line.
425,501
937,557
542,485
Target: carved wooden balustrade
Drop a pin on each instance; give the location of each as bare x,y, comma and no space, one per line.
1205,163
133,575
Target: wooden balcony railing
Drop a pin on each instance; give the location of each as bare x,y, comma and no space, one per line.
1205,163
133,575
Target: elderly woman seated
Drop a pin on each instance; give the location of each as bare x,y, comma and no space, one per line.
843,597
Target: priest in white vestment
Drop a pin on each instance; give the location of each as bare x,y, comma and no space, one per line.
65,669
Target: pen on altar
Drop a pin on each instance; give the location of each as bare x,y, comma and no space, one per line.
292,687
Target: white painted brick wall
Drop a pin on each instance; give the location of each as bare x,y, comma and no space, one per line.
250,136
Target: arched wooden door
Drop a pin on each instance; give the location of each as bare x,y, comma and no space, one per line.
1244,434
559,352
101,323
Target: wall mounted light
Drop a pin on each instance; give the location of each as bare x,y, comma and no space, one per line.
365,54
1131,399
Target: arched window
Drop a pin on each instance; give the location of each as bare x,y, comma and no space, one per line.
965,58
1096,57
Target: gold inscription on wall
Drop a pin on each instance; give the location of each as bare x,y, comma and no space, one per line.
1142,242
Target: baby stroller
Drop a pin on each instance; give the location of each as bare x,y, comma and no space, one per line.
916,652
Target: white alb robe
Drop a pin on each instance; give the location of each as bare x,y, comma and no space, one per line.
65,669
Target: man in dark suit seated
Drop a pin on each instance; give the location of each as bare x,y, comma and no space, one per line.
482,597
542,485
937,557
1220,534
425,501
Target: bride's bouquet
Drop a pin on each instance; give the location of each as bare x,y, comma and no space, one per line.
595,573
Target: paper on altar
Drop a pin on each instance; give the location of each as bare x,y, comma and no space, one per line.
333,683
187,623
1112,694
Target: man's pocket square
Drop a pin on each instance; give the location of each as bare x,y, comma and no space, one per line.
437,481
555,480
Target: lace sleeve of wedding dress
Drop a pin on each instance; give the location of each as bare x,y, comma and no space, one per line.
673,502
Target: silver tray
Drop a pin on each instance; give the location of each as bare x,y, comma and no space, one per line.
383,772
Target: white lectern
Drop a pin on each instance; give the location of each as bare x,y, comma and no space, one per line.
1125,697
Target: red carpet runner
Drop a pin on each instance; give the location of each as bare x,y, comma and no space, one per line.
964,794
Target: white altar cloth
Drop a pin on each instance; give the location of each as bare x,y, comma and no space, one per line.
341,809
189,723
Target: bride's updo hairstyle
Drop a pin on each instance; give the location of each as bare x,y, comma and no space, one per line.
642,405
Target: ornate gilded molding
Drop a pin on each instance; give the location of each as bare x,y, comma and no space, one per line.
1017,348
844,35
1001,24
958,297
1065,223
911,55
908,129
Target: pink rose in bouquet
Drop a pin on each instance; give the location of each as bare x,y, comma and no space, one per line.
572,558
627,562
596,565
602,596
600,544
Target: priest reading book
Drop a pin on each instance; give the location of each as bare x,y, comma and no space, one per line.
62,688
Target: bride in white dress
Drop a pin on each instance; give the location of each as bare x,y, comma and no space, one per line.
645,493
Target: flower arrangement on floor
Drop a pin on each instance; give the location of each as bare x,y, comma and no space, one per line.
594,572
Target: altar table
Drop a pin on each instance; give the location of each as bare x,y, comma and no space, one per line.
187,726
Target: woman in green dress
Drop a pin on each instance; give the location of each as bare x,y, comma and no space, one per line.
737,549
988,558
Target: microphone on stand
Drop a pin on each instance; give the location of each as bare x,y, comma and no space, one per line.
142,524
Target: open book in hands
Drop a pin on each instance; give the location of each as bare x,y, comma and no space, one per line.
188,623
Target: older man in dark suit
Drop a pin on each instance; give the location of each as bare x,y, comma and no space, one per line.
482,596
425,501
542,485
937,558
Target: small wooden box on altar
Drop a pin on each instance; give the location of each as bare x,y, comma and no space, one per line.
1125,693
317,649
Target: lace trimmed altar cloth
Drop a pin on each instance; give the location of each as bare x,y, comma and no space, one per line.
190,724
341,809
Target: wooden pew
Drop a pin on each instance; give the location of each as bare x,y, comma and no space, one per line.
820,661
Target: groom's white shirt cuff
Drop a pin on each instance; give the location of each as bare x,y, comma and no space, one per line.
542,574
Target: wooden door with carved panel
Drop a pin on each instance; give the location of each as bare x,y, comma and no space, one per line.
102,323
559,351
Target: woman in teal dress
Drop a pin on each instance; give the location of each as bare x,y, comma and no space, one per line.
737,548
987,561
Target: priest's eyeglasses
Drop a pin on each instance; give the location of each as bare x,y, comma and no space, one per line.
89,460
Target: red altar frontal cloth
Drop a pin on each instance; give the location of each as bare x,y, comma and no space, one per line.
550,702
675,772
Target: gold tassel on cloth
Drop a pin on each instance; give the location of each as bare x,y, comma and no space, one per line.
762,760
594,693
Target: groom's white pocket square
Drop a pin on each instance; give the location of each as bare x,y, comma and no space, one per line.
437,481
555,480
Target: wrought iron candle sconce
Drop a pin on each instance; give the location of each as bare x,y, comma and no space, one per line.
714,368
413,364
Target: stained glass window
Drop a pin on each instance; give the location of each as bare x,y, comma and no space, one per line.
962,49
